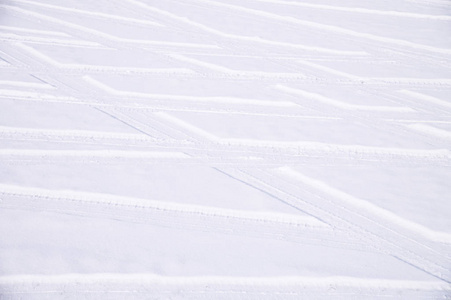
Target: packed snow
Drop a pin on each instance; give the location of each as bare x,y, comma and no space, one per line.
225,149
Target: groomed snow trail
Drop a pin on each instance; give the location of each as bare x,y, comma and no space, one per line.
225,149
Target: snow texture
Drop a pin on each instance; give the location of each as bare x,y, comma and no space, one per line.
225,149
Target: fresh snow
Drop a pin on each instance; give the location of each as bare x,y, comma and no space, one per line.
225,149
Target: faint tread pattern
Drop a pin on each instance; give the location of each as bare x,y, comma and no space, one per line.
277,88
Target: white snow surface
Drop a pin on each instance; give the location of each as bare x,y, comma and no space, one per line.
225,149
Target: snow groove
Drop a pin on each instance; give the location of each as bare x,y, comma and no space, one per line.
228,100
109,17
96,68
359,10
250,39
241,74
341,104
230,97
82,135
320,149
89,155
215,282
160,206
331,28
408,249
365,205
103,34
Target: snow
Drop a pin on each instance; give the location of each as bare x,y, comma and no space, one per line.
224,149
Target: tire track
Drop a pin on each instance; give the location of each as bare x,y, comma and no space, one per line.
367,230
268,225
92,156
235,73
378,80
138,286
218,99
99,15
9,37
98,68
334,218
394,243
317,149
256,40
365,206
81,136
364,229
330,28
340,104
359,10
104,38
